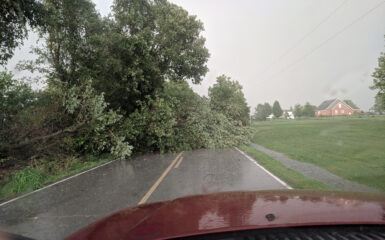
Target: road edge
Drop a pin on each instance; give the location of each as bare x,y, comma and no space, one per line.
53,184
264,169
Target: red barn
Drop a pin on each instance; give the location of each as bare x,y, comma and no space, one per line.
336,107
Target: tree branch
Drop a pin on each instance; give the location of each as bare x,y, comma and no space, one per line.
70,129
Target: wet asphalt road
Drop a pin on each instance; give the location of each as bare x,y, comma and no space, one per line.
59,210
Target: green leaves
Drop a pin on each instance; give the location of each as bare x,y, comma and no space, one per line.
212,129
120,84
379,104
101,131
277,111
262,111
226,97
15,96
379,83
298,110
72,39
120,147
15,16
179,119
307,110
150,128
148,43
178,43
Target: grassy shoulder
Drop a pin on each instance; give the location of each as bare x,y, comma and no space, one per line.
291,177
46,172
350,147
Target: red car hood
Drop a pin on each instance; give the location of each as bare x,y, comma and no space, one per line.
231,211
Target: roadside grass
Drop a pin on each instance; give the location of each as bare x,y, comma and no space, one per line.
45,172
295,179
351,147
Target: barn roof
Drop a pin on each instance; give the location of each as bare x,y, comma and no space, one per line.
325,104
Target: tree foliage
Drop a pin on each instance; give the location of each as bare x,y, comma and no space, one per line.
268,108
258,113
74,120
117,85
306,110
226,97
150,128
71,39
146,44
15,17
15,96
298,110
277,110
180,119
78,115
379,81
379,104
262,111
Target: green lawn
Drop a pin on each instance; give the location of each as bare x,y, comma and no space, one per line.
353,148
294,179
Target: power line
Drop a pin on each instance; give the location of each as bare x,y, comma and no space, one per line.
328,39
304,36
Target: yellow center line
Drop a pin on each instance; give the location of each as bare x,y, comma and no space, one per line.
178,163
156,184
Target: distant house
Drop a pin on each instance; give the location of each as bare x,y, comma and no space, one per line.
270,117
335,107
290,115
287,114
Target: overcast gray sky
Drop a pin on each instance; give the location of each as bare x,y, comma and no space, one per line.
292,51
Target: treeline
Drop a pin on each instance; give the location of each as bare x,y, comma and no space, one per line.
112,85
262,111
306,110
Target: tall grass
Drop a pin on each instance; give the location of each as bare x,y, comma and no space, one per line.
46,171
27,179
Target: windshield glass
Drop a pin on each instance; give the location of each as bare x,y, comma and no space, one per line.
112,104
